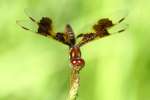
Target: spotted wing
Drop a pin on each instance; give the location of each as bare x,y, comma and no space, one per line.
101,29
43,27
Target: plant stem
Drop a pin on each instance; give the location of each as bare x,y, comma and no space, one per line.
74,84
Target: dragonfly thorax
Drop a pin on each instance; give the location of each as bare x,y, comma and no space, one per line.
75,58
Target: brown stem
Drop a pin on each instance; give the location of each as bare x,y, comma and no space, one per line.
74,84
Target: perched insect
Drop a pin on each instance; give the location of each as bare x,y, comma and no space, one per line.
44,27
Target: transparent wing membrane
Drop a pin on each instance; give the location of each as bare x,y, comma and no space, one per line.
118,28
28,25
32,15
104,27
118,16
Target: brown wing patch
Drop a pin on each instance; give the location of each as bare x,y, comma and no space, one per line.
45,26
101,27
85,38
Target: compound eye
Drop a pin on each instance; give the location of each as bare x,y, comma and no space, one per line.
77,63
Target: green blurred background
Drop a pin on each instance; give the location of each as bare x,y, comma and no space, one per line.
33,67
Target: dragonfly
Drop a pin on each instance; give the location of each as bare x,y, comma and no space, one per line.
44,27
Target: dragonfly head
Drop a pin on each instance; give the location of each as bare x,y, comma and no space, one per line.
77,63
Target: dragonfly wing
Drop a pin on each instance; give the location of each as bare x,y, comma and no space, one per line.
44,23
104,27
43,27
85,38
100,29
